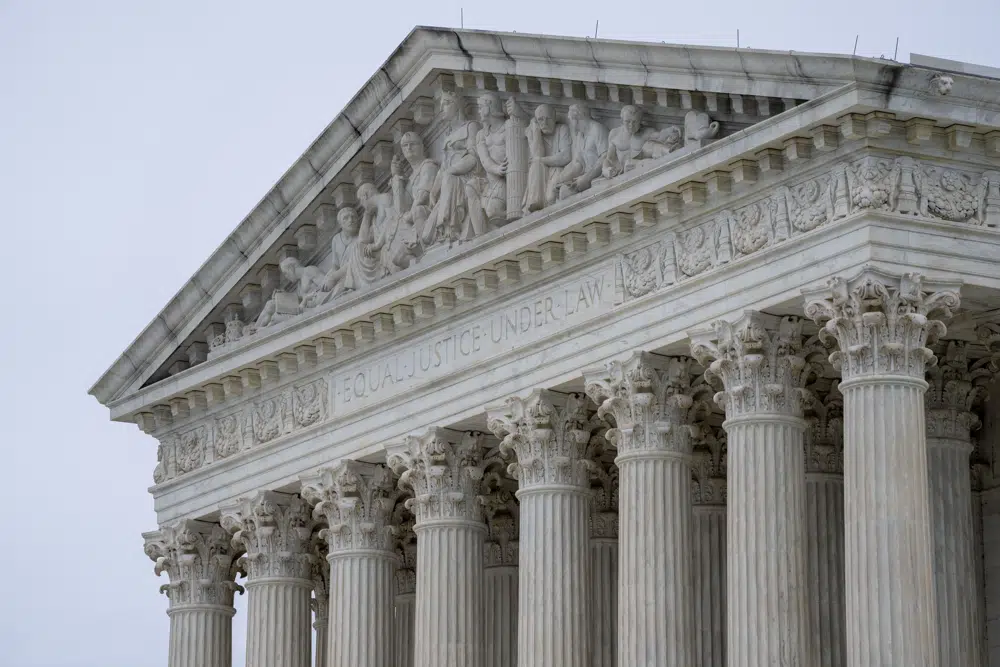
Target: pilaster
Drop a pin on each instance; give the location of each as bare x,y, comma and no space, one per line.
708,499
199,560
651,400
604,550
443,468
882,324
406,586
548,433
357,500
321,601
759,361
275,530
500,557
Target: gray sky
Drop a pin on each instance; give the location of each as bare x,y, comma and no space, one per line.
133,137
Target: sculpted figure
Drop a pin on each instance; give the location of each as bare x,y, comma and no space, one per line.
550,151
412,198
308,280
630,143
491,146
395,241
354,260
698,128
589,143
457,213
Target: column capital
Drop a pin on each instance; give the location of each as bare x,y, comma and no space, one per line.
955,386
275,529
548,432
824,437
500,509
760,362
199,560
321,582
882,323
708,487
653,401
357,500
406,551
443,468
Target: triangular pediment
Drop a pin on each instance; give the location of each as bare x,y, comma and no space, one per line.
458,135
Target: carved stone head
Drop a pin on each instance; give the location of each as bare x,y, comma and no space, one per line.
631,118
489,106
368,197
578,112
451,105
546,118
347,217
412,147
290,268
942,83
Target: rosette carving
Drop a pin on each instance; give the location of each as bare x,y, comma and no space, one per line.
881,323
652,400
443,468
548,433
956,385
275,530
200,561
357,501
759,360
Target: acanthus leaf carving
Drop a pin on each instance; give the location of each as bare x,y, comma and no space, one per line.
199,561
275,530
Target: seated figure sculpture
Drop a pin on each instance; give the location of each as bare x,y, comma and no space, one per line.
550,151
588,144
308,281
699,129
630,143
412,198
354,261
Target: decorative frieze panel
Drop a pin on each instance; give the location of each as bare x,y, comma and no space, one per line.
255,423
901,185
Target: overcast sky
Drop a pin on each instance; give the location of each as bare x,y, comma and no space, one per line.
134,135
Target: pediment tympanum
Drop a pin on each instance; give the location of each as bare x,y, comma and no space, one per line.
459,136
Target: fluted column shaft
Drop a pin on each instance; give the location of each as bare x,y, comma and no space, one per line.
655,606
449,625
709,563
980,567
279,622
406,605
890,594
954,551
604,601
501,616
361,608
201,636
766,577
321,625
554,569
825,566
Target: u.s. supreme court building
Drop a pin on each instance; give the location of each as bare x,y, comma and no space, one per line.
559,352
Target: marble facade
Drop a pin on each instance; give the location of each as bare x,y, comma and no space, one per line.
581,353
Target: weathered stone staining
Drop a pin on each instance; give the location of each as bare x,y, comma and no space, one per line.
514,367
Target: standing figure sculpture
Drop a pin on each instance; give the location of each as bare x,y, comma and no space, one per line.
630,143
589,143
457,214
412,198
550,149
491,146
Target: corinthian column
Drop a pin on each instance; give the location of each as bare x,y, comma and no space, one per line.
444,468
882,324
356,499
275,530
649,397
604,551
406,587
198,558
708,496
825,526
321,602
500,561
955,386
757,359
548,432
